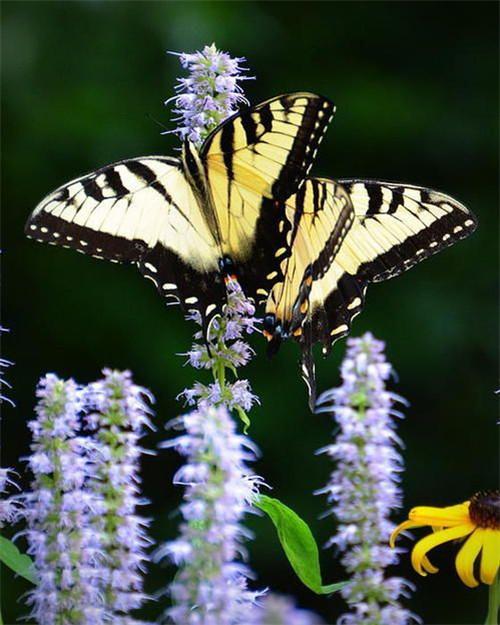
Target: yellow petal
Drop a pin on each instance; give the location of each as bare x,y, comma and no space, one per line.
490,560
433,540
441,517
428,566
401,528
464,562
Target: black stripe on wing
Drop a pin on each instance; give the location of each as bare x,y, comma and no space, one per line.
54,219
315,120
426,221
45,228
258,123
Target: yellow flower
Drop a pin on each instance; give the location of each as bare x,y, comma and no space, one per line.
477,520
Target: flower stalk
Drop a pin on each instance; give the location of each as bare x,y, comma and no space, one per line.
211,584
119,416
364,488
58,510
493,602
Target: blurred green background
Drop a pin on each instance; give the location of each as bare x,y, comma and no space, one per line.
416,90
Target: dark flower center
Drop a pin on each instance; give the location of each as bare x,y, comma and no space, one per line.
484,509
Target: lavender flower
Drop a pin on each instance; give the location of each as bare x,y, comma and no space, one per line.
279,610
364,487
119,415
209,94
228,350
9,506
61,540
211,585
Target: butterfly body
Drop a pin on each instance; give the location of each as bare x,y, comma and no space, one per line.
244,204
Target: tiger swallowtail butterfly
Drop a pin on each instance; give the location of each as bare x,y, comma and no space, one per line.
243,203
184,222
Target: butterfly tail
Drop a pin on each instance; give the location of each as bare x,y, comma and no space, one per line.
307,366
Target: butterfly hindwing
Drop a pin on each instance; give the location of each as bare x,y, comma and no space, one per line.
322,214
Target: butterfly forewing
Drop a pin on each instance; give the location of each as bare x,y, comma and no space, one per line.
254,161
270,147
141,211
395,227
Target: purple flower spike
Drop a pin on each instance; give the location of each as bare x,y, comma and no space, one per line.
228,350
209,94
211,585
364,488
58,510
119,413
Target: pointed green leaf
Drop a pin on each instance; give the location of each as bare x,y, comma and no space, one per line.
19,562
298,544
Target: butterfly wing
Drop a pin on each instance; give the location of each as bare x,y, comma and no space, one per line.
322,214
139,211
254,161
396,226
393,227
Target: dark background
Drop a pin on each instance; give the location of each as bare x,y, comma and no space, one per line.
416,89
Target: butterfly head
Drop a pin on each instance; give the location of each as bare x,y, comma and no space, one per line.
227,268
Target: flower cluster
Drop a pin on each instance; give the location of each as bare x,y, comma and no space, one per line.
211,586
364,487
119,415
85,538
61,540
209,94
226,349
9,505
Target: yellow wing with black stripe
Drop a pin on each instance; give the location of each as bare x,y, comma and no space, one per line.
254,162
390,228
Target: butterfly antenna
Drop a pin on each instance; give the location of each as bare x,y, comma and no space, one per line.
156,121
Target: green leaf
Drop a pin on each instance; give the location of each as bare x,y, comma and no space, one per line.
298,544
19,562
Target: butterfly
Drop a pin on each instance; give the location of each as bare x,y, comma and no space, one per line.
188,222
245,205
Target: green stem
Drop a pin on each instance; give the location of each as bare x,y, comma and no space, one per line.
493,602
